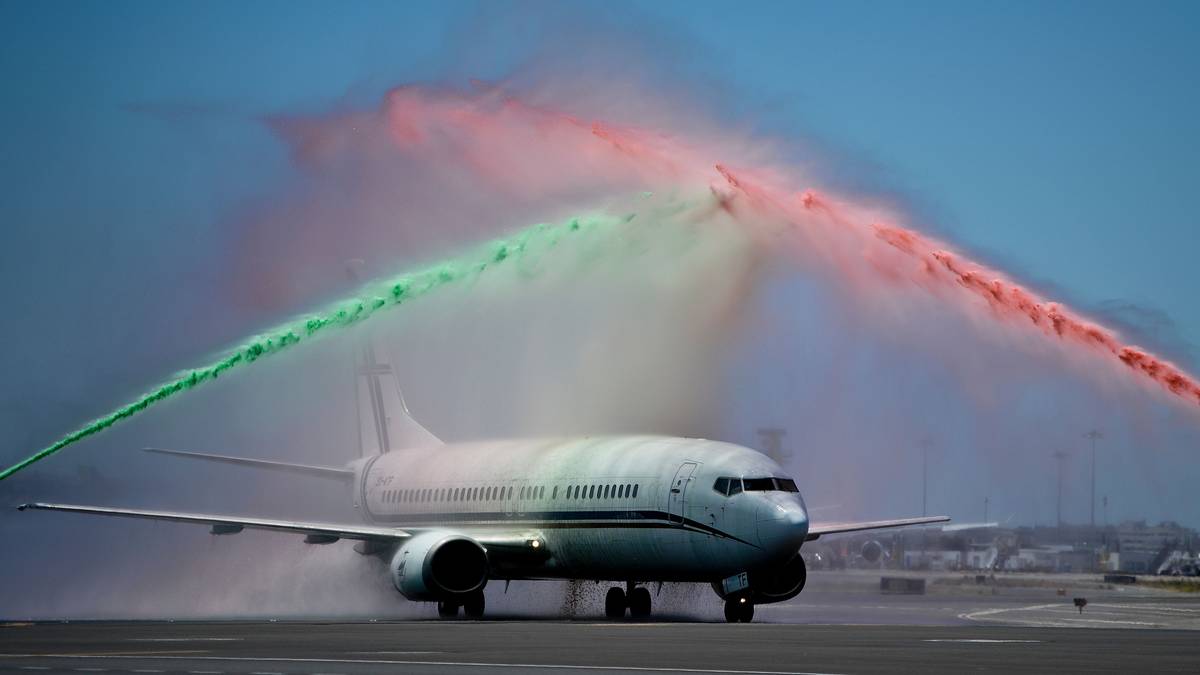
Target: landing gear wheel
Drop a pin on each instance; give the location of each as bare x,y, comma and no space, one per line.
739,610
473,605
639,602
447,609
614,603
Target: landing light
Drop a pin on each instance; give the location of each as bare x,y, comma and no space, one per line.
742,600
534,543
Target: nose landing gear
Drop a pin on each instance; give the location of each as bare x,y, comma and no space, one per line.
739,609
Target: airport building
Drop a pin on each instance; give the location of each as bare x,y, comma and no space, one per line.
1134,547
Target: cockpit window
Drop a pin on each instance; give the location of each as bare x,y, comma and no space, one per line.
770,484
727,486
786,484
758,484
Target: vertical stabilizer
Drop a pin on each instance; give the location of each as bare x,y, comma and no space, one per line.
384,422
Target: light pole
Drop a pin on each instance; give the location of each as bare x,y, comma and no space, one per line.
1060,456
925,445
1094,435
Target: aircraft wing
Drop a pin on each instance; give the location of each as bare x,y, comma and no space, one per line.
316,533
816,531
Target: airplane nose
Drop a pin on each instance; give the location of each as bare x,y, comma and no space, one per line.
782,526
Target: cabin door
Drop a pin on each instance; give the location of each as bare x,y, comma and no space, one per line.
677,496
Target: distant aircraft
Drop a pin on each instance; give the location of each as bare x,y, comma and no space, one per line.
629,509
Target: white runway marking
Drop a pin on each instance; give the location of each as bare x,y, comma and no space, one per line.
394,653
388,662
1097,614
183,639
978,640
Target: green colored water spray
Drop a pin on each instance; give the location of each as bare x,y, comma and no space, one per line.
374,297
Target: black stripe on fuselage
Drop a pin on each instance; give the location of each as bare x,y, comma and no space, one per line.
554,519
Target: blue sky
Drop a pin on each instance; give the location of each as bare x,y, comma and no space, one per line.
1057,139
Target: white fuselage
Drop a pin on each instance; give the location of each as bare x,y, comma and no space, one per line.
620,508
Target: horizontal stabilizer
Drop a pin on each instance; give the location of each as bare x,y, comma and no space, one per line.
315,533
816,531
305,469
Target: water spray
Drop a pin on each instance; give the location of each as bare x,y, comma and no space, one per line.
373,298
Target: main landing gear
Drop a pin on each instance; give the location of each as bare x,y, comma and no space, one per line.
636,600
739,609
472,604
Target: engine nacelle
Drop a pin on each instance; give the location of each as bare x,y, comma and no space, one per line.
775,584
872,551
439,565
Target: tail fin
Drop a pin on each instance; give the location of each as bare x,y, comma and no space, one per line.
389,425
385,424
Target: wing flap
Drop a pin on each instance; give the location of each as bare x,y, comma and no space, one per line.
315,533
816,531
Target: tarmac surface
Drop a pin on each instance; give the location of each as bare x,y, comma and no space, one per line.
843,625
575,647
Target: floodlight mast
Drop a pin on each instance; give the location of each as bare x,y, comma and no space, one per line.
1094,435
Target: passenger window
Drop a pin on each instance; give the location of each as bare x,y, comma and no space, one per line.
542,492
635,489
554,493
604,492
591,493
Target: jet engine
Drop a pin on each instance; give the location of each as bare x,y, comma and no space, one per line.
779,583
775,584
871,551
439,565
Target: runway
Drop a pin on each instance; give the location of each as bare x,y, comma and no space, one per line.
438,647
842,625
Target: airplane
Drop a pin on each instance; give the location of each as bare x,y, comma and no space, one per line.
450,517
